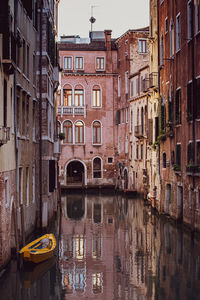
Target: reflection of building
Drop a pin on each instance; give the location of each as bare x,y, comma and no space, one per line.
85,109
87,246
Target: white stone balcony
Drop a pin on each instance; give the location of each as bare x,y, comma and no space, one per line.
71,110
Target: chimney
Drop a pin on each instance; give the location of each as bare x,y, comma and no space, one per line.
108,39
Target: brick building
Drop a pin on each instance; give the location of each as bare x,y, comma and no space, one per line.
132,48
85,110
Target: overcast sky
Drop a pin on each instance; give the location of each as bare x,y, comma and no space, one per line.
118,15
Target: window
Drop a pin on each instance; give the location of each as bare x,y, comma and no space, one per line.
67,97
5,104
27,60
52,175
178,107
118,117
79,132
97,283
131,88
34,70
137,152
171,38
79,97
23,114
189,101
68,63
67,129
27,116
6,192
162,50
33,184
79,63
20,185
197,15
178,155
24,56
131,121
96,132
126,82
198,152
119,86
141,151
164,161
178,32
166,25
190,153
97,168
189,19
142,46
110,160
27,186
100,63
96,96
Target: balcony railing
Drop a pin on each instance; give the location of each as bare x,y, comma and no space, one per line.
4,135
153,80
140,131
71,110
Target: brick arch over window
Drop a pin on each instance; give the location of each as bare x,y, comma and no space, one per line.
96,96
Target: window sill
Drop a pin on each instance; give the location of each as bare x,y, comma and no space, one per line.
96,145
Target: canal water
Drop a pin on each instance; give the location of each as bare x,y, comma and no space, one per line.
110,247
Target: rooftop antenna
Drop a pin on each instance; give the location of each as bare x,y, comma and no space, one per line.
92,19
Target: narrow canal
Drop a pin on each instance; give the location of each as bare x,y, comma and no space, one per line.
110,247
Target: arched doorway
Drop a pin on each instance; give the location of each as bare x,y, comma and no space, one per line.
125,179
75,173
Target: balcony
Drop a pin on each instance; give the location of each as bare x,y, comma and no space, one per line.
4,135
71,110
153,80
139,131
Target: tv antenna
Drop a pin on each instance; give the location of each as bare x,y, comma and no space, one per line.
92,19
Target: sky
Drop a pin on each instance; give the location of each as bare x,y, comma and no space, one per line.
117,15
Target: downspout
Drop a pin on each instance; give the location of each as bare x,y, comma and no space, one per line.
16,146
158,39
193,115
40,117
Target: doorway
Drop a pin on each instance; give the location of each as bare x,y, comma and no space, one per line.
75,173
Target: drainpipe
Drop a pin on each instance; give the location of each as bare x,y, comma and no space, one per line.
193,114
16,146
158,39
40,116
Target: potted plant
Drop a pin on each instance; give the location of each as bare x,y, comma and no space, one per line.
61,136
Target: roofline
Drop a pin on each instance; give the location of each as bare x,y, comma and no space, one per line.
143,29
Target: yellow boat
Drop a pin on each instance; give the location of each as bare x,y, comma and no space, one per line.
40,249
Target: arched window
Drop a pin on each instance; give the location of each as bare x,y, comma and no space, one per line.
67,129
97,168
67,96
79,132
164,160
96,132
96,96
79,96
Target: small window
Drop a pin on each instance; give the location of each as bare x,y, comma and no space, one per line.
68,63
142,46
110,160
164,160
97,168
166,25
100,63
178,107
178,32
79,63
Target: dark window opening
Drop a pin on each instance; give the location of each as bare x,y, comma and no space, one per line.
189,101
110,160
97,168
178,107
164,160
97,213
178,155
52,175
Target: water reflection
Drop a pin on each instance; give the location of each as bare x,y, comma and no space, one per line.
111,248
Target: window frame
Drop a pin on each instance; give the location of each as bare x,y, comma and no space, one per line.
178,32
141,43
83,134
96,64
66,139
66,68
100,96
101,170
95,140
75,63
